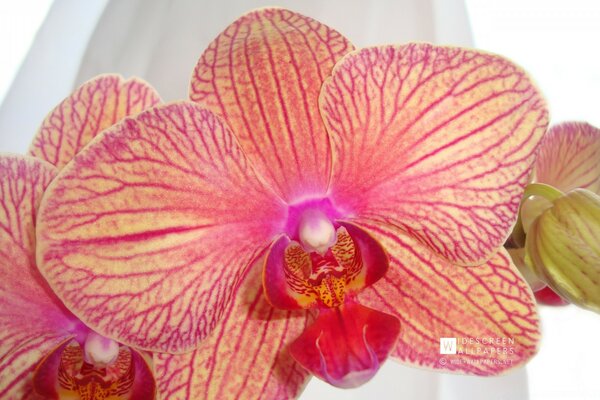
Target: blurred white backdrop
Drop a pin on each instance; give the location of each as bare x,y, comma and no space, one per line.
555,41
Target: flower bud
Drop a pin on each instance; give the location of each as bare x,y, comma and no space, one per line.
563,247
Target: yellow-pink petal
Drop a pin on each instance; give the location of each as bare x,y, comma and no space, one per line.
32,319
263,74
146,234
569,157
438,141
246,357
96,105
489,309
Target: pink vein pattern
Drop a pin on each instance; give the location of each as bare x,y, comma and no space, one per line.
569,157
32,320
433,299
264,74
437,141
246,357
146,234
94,106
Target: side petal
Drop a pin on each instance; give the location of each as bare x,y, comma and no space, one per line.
438,141
264,74
144,383
146,234
32,320
346,346
96,105
569,157
246,357
433,299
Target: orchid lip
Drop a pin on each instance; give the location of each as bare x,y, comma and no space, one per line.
353,378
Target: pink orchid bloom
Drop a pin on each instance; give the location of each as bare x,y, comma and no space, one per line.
568,158
313,213
45,351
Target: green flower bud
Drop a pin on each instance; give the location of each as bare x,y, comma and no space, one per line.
563,247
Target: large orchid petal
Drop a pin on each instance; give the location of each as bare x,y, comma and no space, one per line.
346,346
96,105
146,234
246,357
435,140
32,319
569,157
264,74
435,300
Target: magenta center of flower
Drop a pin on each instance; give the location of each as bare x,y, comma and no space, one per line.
322,262
98,369
319,259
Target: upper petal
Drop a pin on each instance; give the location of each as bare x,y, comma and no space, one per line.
436,140
435,300
96,105
32,319
569,157
247,357
146,233
264,74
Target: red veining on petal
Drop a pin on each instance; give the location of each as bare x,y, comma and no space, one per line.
246,357
436,141
434,299
94,106
131,233
264,74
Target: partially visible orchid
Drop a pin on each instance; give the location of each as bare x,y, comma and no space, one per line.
317,210
559,227
45,351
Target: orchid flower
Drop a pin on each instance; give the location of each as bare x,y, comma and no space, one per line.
46,351
561,251
313,210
